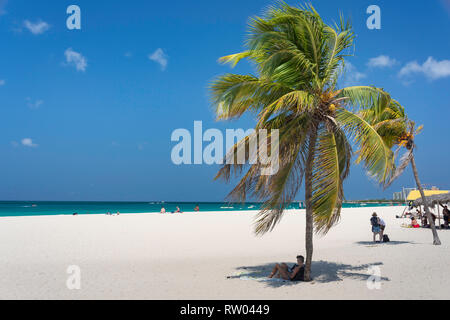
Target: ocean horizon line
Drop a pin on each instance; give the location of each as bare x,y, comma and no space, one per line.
52,208
175,201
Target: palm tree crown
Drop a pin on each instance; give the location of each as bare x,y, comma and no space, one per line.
298,60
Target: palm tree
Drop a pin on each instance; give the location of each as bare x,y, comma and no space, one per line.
395,128
298,60
406,139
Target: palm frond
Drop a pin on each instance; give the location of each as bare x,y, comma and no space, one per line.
296,102
233,94
366,97
339,38
330,169
233,59
404,162
372,151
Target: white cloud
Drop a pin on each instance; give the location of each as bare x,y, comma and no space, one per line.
159,57
2,82
351,74
141,146
36,28
128,54
446,4
431,68
3,6
76,59
27,142
34,104
381,62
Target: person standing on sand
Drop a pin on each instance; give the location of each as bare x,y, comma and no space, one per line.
296,273
446,214
163,210
382,227
197,208
376,229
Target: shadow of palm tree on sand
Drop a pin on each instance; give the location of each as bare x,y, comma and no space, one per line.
322,272
390,243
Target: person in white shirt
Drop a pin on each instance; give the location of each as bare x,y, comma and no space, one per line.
382,226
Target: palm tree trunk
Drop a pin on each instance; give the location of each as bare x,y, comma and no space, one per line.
308,197
436,240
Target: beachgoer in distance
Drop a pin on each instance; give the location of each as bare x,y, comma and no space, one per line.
433,216
414,223
178,210
425,223
376,229
382,226
197,208
424,217
163,210
296,273
446,214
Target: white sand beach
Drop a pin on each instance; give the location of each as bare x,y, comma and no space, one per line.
189,256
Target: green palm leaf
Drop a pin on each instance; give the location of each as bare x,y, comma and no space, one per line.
234,94
365,97
373,151
330,169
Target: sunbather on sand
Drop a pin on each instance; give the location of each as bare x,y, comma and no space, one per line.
296,273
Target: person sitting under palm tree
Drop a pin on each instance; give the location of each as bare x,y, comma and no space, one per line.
296,273
425,222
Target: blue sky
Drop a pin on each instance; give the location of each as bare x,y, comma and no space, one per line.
88,114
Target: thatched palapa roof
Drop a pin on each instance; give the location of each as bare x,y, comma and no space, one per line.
433,200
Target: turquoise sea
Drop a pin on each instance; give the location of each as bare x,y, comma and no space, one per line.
44,208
